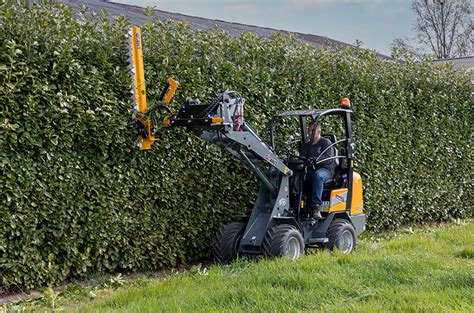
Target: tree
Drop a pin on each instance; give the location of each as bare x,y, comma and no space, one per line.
445,26
402,49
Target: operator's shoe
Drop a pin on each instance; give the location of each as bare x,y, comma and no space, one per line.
317,212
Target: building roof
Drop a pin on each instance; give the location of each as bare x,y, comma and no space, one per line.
458,63
137,16
466,62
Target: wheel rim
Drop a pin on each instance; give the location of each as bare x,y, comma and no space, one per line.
347,241
293,248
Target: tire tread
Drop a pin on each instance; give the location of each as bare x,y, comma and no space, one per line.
334,231
274,240
223,247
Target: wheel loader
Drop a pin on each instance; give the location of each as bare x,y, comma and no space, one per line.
280,223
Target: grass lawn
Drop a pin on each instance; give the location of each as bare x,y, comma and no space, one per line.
431,270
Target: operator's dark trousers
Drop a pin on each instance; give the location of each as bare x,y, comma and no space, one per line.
318,177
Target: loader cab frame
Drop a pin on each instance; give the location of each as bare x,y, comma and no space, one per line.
300,163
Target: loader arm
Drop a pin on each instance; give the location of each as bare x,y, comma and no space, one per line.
221,122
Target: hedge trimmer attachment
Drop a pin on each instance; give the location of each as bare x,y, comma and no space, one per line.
145,124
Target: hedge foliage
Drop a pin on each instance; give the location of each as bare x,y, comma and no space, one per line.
77,198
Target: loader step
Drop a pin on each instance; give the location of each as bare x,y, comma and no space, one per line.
318,240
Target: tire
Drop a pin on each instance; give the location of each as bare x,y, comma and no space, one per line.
283,241
226,242
342,236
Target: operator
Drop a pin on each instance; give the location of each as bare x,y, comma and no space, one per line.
319,173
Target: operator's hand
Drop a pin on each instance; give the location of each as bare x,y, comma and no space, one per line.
311,160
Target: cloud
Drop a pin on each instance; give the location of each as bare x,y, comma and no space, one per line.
320,3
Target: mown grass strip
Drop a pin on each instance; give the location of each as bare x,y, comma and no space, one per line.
426,271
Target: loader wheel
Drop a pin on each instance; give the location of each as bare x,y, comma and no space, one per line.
226,242
342,236
283,241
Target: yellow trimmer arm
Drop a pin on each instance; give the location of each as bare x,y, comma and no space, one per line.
145,123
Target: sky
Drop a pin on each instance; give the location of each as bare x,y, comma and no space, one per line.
374,22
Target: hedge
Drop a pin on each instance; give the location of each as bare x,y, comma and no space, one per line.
77,198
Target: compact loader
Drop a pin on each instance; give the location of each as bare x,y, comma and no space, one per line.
281,222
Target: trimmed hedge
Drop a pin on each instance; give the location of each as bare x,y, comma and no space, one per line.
77,198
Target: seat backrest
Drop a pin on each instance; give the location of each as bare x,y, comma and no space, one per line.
331,138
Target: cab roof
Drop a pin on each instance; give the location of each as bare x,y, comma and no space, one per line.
313,113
